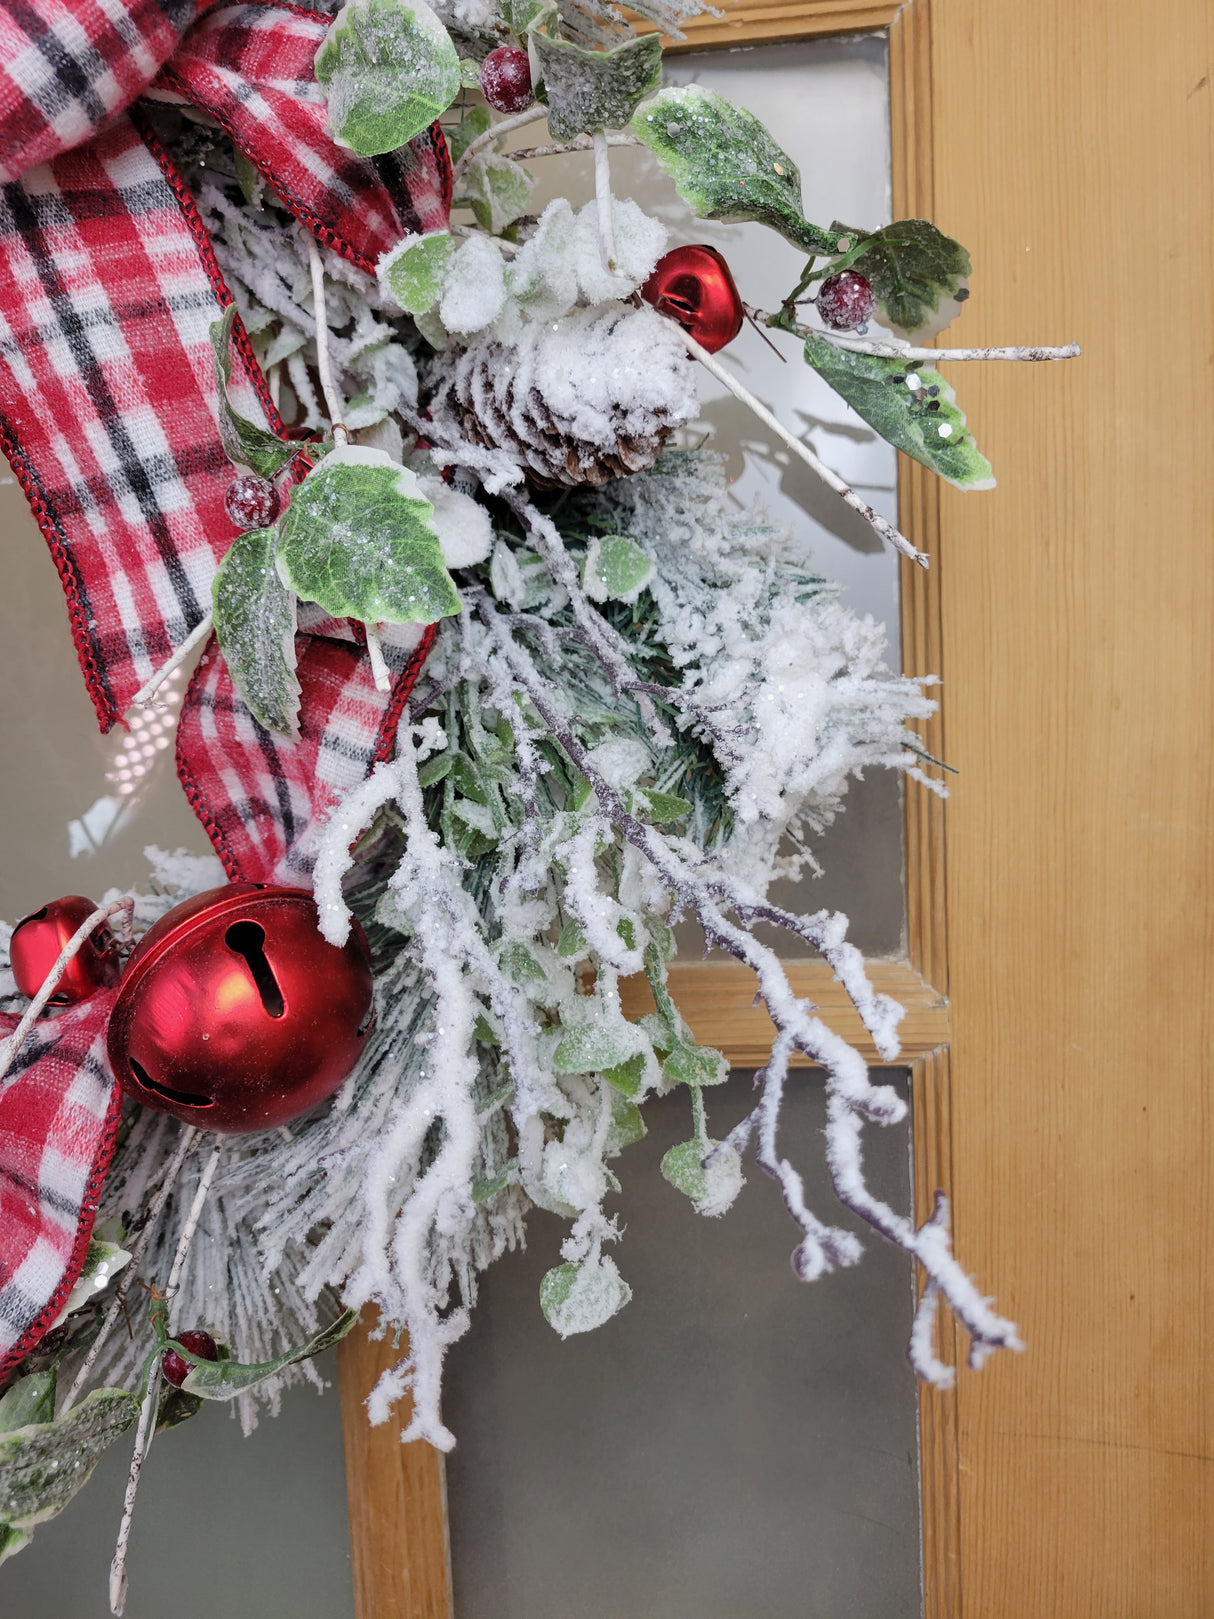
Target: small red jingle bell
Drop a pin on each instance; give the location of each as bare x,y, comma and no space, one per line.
236,1014
38,939
697,288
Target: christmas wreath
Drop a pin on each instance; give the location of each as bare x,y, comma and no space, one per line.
497,686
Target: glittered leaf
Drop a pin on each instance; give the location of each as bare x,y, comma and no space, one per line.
711,1187
389,69
412,272
725,164
616,569
28,1400
911,266
255,623
225,1379
358,539
909,406
244,442
578,1298
44,1464
588,90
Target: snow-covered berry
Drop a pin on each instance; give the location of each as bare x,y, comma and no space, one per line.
506,79
251,502
845,301
200,1343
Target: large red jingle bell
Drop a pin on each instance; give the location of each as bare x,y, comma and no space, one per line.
695,286
38,939
236,1014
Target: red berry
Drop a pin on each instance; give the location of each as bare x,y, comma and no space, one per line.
175,1367
506,79
251,502
845,301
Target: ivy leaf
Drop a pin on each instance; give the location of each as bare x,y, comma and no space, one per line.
616,569
225,1379
910,406
578,1298
244,442
725,165
255,623
389,68
412,272
711,1188
44,1464
588,1048
497,190
911,266
590,90
358,539
30,1399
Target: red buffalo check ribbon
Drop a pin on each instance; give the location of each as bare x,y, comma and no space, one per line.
109,416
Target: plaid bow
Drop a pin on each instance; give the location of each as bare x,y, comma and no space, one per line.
108,414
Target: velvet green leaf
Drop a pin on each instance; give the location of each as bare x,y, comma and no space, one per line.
389,68
910,406
44,1464
244,442
911,266
255,623
588,90
225,1379
358,539
725,164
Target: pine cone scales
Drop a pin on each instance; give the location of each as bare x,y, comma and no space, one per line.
579,401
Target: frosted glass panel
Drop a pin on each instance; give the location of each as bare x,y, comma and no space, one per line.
827,103
733,1443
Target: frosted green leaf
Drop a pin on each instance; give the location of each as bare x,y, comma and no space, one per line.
412,272
469,73
627,1077
627,1125
244,442
711,1188
520,14
44,1464
255,623
578,1298
460,136
482,1191
225,1379
30,1399
389,68
607,1042
616,569
695,1065
572,941
175,1407
358,539
497,190
520,966
911,266
12,1540
910,406
589,90
725,165
662,807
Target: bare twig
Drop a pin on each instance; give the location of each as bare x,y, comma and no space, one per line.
194,639
883,527
495,133
12,1046
580,143
602,193
893,348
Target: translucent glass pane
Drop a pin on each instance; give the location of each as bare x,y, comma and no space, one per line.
733,1443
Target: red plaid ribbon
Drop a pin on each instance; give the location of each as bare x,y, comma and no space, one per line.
108,413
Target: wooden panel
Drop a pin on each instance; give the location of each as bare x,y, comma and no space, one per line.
1073,155
717,999
397,1495
764,22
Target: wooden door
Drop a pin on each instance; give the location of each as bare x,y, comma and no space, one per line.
1059,906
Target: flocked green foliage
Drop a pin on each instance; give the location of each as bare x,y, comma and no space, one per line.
588,90
255,622
389,67
414,274
44,1463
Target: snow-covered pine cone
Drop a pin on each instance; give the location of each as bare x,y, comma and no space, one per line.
581,400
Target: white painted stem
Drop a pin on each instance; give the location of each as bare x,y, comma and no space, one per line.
375,651
12,1046
185,1142
192,641
495,133
323,364
147,1414
580,143
829,477
892,349
602,192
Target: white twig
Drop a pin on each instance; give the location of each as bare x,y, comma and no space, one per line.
602,192
890,348
319,308
495,133
193,640
580,143
184,1143
375,651
828,476
146,1429
50,983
